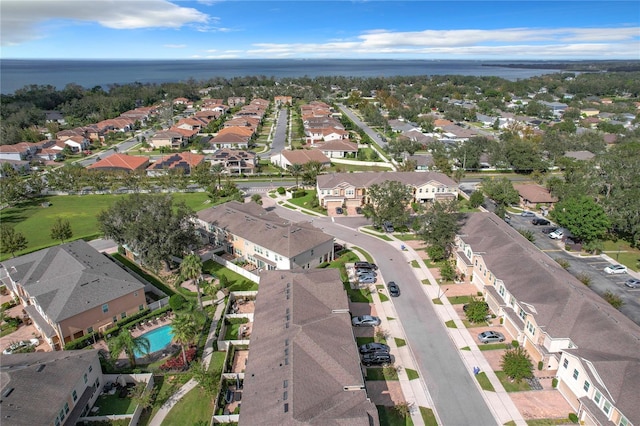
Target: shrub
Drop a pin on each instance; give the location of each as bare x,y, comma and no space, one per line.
281,190
177,301
584,278
554,383
614,300
177,363
517,364
436,253
476,310
447,271
540,365
476,199
80,343
515,343
563,263
573,417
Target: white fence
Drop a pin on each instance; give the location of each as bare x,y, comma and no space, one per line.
235,268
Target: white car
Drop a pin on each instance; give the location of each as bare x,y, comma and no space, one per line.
616,269
556,235
19,345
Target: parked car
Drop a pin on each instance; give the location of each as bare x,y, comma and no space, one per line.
358,210
548,230
365,271
632,283
394,290
491,337
376,358
373,347
527,213
615,269
365,265
365,321
14,347
339,210
367,279
557,234
387,226
540,221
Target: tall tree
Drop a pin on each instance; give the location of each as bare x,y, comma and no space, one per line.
191,269
129,344
501,191
217,170
388,201
152,226
311,171
61,230
439,226
296,170
583,217
11,240
185,330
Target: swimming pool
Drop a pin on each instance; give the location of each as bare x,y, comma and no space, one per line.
158,339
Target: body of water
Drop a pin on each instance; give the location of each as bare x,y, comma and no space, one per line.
17,73
159,339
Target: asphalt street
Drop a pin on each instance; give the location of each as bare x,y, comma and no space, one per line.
455,395
364,126
280,134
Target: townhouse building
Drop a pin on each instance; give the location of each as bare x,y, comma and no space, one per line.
590,347
72,290
247,232
350,189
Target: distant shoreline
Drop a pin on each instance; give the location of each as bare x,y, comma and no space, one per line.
580,66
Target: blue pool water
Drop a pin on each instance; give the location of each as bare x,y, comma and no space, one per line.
158,339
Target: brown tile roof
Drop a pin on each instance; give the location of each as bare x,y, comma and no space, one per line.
563,306
243,131
535,193
303,156
366,179
120,161
338,145
252,222
186,160
229,138
303,354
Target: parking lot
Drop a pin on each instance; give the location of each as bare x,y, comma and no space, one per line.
586,266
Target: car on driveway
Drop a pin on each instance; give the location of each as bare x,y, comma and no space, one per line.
388,227
540,221
15,347
365,321
376,358
358,210
527,214
491,337
367,279
365,271
362,264
373,347
615,269
339,210
394,290
632,283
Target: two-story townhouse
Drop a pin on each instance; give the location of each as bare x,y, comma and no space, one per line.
72,290
591,347
350,189
235,161
249,232
168,139
49,388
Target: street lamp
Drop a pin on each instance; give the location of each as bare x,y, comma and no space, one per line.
443,293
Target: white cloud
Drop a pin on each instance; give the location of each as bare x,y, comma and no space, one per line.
22,20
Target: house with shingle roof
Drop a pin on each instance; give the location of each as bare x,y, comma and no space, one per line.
286,158
121,162
72,290
350,189
315,377
532,195
250,233
235,161
185,161
338,148
231,139
590,346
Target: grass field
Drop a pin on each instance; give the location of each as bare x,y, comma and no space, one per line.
196,407
35,221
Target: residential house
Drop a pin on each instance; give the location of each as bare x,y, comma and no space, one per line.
250,233
350,189
338,148
283,100
17,152
167,139
232,140
185,161
50,388
400,126
235,101
121,162
590,347
71,290
54,117
580,155
235,161
557,108
315,377
248,122
589,112
76,144
286,158
535,196
424,162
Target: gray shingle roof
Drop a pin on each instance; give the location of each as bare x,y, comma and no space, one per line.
564,307
303,345
31,388
71,278
266,229
366,179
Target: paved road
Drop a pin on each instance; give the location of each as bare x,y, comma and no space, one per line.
280,134
364,126
122,147
456,396
591,266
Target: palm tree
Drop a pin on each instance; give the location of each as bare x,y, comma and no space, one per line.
191,269
184,329
217,170
129,344
296,170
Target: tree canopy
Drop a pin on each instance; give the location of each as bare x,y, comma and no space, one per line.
151,226
388,202
11,240
61,230
500,190
583,217
438,227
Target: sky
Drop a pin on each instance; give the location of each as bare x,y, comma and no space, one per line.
367,29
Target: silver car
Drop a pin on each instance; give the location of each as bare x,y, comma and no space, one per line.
491,337
365,321
632,283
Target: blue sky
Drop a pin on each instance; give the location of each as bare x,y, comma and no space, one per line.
163,29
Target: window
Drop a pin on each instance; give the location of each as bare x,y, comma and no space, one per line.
311,252
597,397
90,368
140,307
135,293
576,373
522,314
85,378
105,308
62,414
66,408
586,386
531,328
606,407
115,318
565,364
74,395
501,290
89,330
123,315
623,421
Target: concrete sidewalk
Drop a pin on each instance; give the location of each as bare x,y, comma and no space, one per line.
206,359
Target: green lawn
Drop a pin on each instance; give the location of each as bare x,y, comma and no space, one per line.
305,202
458,300
390,417
428,416
492,346
389,374
548,422
355,295
405,236
113,404
436,301
236,281
412,374
512,386
364,253
196,407
485,384
451,324
400,342
415,264
35,221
